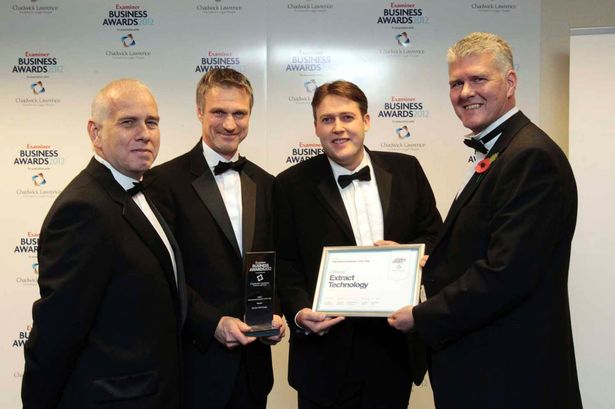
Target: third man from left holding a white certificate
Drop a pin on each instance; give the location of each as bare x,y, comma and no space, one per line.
348,196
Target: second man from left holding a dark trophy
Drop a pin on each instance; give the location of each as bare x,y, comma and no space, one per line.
218,205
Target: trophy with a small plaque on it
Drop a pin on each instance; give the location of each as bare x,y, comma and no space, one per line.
260,291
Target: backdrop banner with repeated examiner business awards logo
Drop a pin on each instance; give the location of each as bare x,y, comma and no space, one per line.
56,54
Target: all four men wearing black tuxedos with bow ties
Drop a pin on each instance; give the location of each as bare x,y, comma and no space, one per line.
113,299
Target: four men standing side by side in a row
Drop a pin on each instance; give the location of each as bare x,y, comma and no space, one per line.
142,287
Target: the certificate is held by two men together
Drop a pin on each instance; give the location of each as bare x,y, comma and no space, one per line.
365,281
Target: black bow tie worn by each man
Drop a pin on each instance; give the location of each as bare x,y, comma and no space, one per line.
479,144
363,174
138,187
237,166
